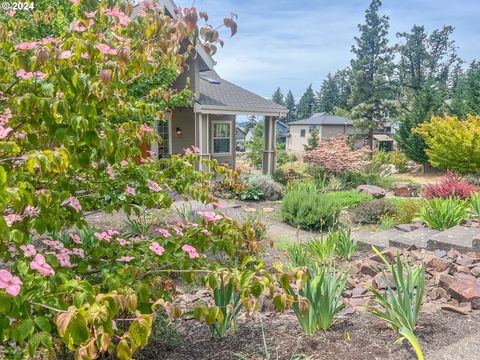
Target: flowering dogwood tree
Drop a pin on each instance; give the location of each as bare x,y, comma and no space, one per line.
73,114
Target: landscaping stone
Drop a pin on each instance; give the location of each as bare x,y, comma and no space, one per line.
370,268
417,237
462,310
405,189
381,239
440,253
437,264
376,191
458,238
407,227
475,271
466,290
389,253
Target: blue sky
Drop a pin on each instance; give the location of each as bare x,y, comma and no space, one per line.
292,43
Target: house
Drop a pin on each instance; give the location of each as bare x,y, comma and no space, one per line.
240,137
328,126
282,132
210,122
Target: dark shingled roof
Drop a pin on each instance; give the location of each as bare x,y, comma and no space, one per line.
215,91
323,119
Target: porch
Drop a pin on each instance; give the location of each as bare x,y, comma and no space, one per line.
211,122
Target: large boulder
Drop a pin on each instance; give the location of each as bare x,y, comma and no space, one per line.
376,191
405,189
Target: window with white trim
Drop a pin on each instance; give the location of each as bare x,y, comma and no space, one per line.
222,137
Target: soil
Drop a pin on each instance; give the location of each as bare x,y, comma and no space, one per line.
359,336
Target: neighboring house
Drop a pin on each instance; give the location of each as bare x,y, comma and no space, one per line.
240,137
329,126
210,122
384,139
282,132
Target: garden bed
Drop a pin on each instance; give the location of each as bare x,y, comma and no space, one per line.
358,337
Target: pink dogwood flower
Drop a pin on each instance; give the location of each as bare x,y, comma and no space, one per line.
29,250
49,40
79,252
10,283
130,191
164,233
76,238
40,264
156,248
126,259
124,162
91,15
4,132
112,232
11,12
65,55
26,46
210,216
191,251
142,13
103,236
107,50
153,186
122,241
74,203
110,172
64,260
10,219
74,2
146,128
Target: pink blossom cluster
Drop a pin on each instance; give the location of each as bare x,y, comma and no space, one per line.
192,150
191,251
123,19
10,219
75,238
4,132
73,203
164,232
11,284
153,186
106,50
27,75
26,46
5,117
63,55
110,172
146,128
28,250
103,236
210,216
156,248
130,191
126,259
40,264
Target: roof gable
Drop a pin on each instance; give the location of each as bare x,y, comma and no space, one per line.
323,119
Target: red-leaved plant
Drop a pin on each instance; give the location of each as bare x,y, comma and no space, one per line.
451,186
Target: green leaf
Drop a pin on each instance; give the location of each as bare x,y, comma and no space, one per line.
124,352
43,323
24,329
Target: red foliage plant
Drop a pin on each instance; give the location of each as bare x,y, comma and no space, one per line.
336,156
451,186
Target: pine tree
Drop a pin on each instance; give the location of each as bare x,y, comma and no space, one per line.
327,97
251,122
371,72
428,64
290,105
278,97
466,93
307,104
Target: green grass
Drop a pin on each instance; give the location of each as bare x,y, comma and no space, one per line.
347,199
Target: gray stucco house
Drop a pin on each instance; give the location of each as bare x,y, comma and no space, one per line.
328,126
210,122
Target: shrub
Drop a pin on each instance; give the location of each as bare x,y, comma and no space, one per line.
352,179
251,193
319,301
345,246
399,159
452,143
347,199
270,189
408,210
370,212
379,159
304,207
280,175
475,204
335,184
336,156
450,186
403,300
441,214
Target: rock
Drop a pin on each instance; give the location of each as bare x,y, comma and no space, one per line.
445,280
475,271
440,253
389,253
435,263
378,282
376,191
466,260
466,291
346,311
370,268
439,294
405,189
359,292
462,310
407,227
453,254
430,308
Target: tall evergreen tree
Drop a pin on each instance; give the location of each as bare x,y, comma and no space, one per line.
372,70
290,105
278,97
327,97
251,122
466,93
427,66
307,104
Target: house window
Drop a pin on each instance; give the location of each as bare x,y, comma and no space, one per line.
221,138
302,133
163,147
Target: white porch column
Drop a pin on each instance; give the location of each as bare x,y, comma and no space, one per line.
202,136
269,157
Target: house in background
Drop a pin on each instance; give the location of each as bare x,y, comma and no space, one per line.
282,132
210,123
329,126
240,138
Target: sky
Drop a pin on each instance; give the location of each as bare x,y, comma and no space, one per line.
292,43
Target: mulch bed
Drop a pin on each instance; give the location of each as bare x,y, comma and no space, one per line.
359,336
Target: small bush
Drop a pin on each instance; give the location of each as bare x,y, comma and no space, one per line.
347,199
399,159
379,159
251,193
270,189
280,175
441,214
315,171
305,207
370,212
408,210
449,187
